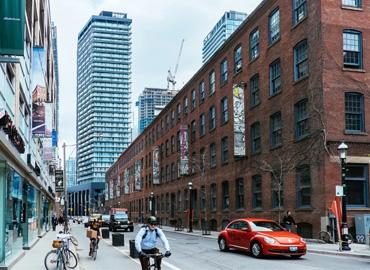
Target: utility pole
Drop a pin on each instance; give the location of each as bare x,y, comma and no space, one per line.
65,184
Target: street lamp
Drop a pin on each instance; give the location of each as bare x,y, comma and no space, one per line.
151,204
190,186
342,148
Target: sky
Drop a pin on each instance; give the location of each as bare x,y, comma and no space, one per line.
158,28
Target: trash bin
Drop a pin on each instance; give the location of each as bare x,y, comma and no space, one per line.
105,233
118,239
133,252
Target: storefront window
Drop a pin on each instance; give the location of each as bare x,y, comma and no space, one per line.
32,213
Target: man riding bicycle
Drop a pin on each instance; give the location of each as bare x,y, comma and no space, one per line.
146,242
96,227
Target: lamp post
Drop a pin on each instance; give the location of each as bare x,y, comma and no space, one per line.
190,186
342,148
151,204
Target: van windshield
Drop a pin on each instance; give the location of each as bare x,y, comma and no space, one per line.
121,216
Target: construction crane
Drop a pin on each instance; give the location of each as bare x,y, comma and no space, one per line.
171,77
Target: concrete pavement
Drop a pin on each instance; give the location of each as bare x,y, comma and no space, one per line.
34,258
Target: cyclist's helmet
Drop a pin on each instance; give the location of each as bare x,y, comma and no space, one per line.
152,220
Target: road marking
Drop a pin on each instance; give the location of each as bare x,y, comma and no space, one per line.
127,253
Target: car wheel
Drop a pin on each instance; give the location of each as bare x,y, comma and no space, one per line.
256,249
295,256
222,244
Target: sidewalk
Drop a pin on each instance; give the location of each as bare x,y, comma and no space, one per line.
34,258
313,245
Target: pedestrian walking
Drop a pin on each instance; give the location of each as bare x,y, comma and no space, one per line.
288,221
54,222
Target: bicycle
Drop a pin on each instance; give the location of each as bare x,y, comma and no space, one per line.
70,237
93,248
325,236
153,259
60,258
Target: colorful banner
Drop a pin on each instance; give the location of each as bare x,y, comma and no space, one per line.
184,150
239,121
59,181
138,175
126,188
156,170
12,22
118,187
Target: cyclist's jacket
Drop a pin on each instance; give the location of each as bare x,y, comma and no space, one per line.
147,239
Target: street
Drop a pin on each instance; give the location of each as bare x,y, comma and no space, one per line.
193,252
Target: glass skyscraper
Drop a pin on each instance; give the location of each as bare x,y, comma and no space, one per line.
71,172
228,23
103,94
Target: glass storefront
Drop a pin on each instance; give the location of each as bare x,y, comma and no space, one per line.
32,212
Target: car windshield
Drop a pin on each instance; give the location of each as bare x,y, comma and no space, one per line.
121,216
265,226
105,217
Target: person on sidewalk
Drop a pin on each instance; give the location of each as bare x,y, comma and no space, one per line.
95,225
54,222
288,221
146,243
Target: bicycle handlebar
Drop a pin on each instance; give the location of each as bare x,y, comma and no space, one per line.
155,255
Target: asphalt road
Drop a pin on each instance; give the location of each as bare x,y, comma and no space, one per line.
193,252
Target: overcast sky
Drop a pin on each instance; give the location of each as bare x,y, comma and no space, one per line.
157,30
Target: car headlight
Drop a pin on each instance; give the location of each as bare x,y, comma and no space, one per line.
302,240
269,240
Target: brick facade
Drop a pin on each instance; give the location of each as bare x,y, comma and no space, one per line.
322,90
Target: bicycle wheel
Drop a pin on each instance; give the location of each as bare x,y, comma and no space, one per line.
70,259
95,252
325,236
52,260
74,240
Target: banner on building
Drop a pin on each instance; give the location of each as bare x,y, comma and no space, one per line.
59,181
184,150
12,22
156,170
126,188
239,121
138,175
106,192
111,189
118,186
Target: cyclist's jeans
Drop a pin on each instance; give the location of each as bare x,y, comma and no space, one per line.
97,244
145,261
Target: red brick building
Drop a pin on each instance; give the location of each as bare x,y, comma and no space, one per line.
303,70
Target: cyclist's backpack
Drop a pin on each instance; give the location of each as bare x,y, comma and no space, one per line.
146,232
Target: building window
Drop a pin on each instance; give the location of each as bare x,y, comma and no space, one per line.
186,199
202,125
257,191
352,3
167,122
193,163
193,99
255,90
212,118
239,193
193,130
185,105
303,177
173,171
167,148
224,150
256,137
213,193
203,198
225,195
299,10
179,201
173,144
354,112
276,129
277,187
201,92
254,39
275,81
212,82
202,159
212,152
172,119
300,60
223,69
224,111
178,111
238,59
274,26
352,49
301,119
168,175
357,183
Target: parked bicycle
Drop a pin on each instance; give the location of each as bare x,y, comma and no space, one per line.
61,258
327,238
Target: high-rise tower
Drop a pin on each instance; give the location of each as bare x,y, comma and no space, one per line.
103,94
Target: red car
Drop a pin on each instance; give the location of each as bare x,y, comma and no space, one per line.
261,237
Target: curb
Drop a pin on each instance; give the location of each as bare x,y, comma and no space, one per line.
338,253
